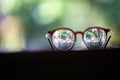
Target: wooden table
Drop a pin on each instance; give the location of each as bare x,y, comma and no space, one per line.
70,63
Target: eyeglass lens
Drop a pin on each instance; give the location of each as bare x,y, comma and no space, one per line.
63,39
94,38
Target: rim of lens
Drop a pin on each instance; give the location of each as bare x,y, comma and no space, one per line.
104,39
72,36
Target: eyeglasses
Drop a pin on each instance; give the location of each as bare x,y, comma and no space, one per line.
64,39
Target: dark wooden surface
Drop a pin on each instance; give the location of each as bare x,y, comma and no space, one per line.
71,63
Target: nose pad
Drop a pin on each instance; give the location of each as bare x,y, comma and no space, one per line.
79,45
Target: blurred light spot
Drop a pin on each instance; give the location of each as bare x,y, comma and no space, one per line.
7,5
11,34
48,11
29,1
105,1
81,16
77,15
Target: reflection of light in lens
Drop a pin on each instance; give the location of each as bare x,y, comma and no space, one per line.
95,38
63,39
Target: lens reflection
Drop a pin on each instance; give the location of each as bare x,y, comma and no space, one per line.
63,39
94,38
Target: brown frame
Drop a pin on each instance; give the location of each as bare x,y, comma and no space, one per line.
78,32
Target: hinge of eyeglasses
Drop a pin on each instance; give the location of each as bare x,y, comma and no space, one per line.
47,35
110,33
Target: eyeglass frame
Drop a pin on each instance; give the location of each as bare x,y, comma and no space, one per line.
75,34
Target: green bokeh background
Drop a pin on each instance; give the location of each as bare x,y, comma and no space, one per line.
39,16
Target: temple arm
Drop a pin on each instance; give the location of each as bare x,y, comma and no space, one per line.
48,37
108,39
